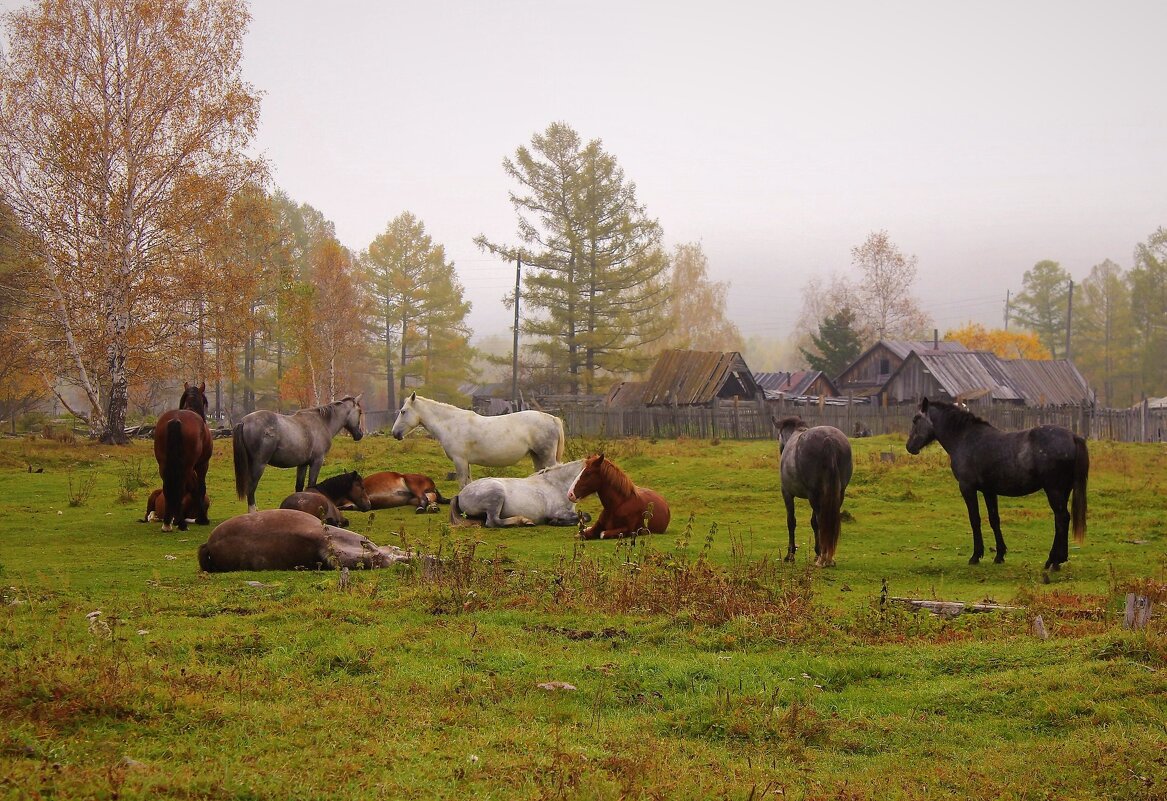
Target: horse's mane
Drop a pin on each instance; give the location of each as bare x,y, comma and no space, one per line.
338,484
616,478
960,415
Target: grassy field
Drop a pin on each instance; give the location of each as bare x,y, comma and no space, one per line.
702,666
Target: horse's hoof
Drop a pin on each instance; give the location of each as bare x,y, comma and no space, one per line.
789,557
433,507
974,560
419,510
999,559
1051,565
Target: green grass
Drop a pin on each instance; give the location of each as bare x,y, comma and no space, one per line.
704,666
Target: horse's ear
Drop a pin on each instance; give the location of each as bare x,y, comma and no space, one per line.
599,457
924,404
413,396
185,386
203,387
358,397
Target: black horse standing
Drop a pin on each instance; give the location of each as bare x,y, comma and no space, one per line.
994,462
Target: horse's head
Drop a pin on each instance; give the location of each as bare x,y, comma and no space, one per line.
354,421
786,428
923,432
195,399
356,494
589,480
407,418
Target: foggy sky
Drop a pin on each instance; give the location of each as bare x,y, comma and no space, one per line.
982,136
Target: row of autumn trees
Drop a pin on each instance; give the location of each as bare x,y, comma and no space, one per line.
1114,322
139,244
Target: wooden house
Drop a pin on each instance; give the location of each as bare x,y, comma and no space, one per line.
981,378
691,378
796,384
867,375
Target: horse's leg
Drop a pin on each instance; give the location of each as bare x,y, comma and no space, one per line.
257,468
462,470
301,471
314,470
790,522
974,518
814,526
596,530
995,524
1060,552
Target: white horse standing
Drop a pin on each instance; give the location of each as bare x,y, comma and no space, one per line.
471,438
537,499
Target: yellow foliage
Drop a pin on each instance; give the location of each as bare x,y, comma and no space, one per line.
1005,344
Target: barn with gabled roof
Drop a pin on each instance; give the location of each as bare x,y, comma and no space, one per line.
698,378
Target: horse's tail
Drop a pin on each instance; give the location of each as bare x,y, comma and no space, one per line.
173,474
438,498
1078,504
561,446
242,462
456,518
831,505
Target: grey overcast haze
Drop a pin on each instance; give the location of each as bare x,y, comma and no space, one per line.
983,137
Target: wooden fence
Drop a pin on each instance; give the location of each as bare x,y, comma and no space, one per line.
753,421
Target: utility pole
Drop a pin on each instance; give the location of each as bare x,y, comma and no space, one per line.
1069,316
1006,309
515,346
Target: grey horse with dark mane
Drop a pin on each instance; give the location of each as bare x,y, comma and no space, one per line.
298,440
815,463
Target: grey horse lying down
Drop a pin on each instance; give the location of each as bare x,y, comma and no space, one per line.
288,539
538,499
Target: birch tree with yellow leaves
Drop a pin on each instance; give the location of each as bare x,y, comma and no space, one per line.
123,125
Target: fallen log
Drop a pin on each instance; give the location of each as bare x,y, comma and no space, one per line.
952,608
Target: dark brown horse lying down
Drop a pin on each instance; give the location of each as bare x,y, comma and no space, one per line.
327,498
288,539
156,507
388,490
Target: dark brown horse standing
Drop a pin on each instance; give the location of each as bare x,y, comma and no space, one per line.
329,496
814,463
388,490
156,507
182,446
994,462
625,504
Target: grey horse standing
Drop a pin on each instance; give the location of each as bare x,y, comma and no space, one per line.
298,440
815,464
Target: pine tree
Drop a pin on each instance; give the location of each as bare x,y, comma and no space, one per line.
1042,304
595,286
837,344
421,309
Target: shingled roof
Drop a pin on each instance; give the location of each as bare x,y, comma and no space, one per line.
695,378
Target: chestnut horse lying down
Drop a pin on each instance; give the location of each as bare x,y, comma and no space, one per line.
288,539
326,499
388,490
156,507
625,505
537,499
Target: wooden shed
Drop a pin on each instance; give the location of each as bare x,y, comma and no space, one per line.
868,374
698,378
796,384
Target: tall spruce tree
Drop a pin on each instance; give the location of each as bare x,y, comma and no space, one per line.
837,343
595,285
